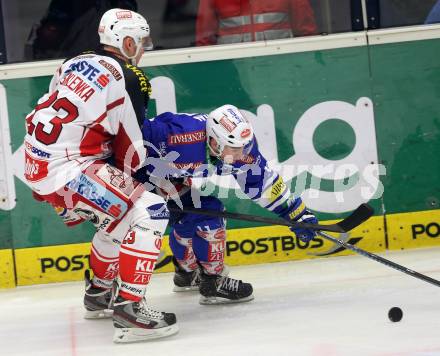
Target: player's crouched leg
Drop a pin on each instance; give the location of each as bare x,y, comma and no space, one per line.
133,318
104,262
187,272
209,244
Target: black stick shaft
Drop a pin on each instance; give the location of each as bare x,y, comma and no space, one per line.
253,218
382,260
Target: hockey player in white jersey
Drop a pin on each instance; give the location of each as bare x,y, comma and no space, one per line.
183,146
82,145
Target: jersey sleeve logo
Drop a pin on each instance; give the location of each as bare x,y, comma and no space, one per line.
187,138
111,68
144,83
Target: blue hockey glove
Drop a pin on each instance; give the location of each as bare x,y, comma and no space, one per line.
305,235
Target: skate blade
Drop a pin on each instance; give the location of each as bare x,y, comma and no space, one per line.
98,314
219,300
185,289
126,335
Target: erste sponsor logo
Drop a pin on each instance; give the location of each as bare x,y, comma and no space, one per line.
103,80
98,195
90,73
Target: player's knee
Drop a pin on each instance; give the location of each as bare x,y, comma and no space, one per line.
151,210
212,203
178,245
212,232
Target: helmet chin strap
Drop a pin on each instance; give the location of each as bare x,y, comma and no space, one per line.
131,58
218,151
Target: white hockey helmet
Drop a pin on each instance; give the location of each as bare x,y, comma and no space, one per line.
116,24
229,127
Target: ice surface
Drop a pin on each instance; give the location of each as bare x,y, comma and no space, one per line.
333,306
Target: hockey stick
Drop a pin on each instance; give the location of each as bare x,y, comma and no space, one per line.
357,217
380,259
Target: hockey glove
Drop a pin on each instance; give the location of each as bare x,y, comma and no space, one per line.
305,235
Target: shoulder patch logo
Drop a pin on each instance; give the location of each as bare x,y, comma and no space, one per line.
111,68
187,138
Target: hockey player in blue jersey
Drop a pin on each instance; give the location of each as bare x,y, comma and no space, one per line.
183,146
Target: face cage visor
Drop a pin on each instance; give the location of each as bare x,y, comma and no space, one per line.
147,43
217,151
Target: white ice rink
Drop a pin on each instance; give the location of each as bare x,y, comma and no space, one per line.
333,306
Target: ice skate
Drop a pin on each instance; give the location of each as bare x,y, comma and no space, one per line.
185,281
135,321
219,289
96,300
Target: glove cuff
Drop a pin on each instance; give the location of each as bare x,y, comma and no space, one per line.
296,210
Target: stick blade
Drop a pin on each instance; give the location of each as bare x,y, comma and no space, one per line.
362,213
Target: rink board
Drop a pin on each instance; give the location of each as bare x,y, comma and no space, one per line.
244,246
51,264
7,277
412,230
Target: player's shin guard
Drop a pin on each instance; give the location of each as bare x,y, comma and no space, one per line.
133,319
215,286
104,261
187,271
209,247
104,264
137,258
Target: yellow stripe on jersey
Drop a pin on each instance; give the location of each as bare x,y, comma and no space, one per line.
274,192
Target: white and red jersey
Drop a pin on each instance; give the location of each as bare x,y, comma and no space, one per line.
93,110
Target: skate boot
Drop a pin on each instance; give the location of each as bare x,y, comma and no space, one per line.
135,321
219,289
185,281
96,300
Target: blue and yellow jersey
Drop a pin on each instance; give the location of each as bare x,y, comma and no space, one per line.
177,149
